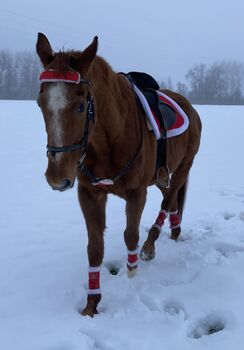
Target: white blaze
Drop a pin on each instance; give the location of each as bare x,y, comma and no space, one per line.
56,102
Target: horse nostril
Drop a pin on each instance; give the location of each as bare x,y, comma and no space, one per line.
66,183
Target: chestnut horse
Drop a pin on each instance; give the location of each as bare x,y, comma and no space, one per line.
97,133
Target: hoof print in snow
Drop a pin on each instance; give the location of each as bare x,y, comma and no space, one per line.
114,270
174,307
113,267
207,326
227,250
228,216
241,215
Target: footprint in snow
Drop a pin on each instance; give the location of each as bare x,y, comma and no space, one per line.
174,307
208,325
228,216
227,250
113,267
241,216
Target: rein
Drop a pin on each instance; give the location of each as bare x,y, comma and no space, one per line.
74,77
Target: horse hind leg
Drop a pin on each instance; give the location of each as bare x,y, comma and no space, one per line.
172,207
148,248
176,212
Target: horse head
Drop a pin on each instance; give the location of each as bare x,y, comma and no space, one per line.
64,99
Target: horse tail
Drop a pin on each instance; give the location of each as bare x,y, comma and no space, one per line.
181,197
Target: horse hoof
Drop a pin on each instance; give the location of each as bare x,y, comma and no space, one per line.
147,252
89,312
131,273
175,233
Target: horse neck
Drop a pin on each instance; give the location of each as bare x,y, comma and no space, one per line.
115,100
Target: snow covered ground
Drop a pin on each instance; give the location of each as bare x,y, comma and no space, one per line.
193,288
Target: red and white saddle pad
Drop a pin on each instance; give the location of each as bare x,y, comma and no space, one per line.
181,124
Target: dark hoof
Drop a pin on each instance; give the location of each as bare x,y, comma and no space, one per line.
175,233
147,252
88,311
91,306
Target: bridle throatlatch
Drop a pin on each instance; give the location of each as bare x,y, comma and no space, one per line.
74,77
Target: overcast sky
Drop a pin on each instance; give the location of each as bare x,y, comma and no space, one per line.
159,37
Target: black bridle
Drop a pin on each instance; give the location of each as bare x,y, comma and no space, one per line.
90,116
83,145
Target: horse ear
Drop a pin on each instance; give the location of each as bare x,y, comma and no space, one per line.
82,63
44,49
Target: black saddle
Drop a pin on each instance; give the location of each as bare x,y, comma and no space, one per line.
143,80
148,86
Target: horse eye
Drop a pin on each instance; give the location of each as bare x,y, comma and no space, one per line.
81,108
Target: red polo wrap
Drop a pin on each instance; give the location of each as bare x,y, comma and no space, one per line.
94,280
160,219
174,220
132,258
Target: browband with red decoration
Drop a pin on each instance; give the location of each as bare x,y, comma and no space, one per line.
50,76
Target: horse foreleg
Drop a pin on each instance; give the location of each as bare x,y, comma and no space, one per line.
134,207
169,207
93,208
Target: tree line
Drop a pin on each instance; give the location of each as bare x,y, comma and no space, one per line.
219,83
19,75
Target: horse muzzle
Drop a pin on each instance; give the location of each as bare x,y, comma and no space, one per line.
64,185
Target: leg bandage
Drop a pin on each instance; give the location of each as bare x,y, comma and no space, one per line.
174,219
132,259
160,219
94,280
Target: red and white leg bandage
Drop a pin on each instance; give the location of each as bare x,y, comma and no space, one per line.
132,259
94,280
174,219
160,219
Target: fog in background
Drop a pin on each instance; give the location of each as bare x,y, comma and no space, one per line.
162,38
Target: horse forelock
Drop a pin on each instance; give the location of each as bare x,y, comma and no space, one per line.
62,61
